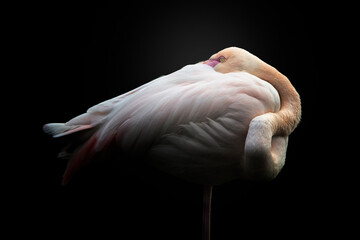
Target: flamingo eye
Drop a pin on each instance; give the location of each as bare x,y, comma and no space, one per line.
222,59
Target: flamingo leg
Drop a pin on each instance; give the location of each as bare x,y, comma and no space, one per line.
207,195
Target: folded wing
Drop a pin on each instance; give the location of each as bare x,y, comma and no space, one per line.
179,119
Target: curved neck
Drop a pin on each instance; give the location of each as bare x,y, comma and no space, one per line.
267,138
285,120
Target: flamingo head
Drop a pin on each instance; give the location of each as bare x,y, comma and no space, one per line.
234,59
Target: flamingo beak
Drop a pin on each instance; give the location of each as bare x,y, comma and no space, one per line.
212,62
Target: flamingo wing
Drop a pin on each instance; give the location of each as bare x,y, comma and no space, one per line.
191,122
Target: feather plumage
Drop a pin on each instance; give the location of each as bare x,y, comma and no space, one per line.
187,116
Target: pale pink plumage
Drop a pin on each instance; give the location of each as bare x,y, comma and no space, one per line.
194,123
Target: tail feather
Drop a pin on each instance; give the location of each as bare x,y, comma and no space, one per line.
61,129
79,159
80,149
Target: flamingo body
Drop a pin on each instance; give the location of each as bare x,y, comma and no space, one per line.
196,123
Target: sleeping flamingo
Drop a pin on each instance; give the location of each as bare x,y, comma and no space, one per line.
215,121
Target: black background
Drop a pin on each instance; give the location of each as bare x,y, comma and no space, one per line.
79,54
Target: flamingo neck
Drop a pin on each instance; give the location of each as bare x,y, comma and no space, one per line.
288,117
267,138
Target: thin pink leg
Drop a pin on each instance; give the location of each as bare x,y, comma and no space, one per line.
207,212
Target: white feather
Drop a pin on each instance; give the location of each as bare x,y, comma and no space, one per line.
193,122
191,114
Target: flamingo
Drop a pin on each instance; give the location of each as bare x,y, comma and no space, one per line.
226,118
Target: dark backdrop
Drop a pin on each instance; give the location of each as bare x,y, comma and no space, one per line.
80,54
